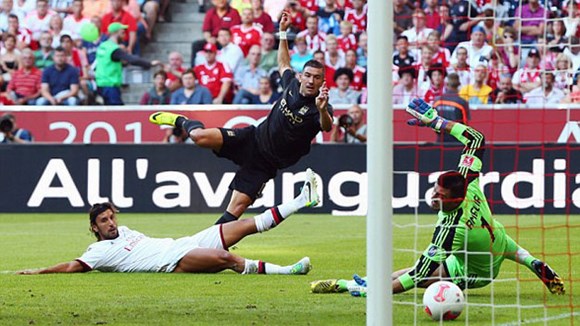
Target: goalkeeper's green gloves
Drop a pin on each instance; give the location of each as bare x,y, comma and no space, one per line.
425,115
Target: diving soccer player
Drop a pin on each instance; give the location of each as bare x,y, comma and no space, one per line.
468,245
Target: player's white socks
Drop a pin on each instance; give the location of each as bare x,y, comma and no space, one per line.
276,215
260,267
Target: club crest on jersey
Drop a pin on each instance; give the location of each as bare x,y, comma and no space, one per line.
303,110
467,161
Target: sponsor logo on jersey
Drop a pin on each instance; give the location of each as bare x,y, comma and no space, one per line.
303,110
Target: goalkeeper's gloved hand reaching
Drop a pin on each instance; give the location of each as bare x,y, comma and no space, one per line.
359,288
425,115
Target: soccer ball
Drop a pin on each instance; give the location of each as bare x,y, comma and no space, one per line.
443,301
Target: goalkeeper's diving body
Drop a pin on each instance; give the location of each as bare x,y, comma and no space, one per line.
468,245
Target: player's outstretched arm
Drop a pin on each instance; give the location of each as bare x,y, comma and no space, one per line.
474,141
69,267
283,52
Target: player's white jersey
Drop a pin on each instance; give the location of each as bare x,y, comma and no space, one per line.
131,251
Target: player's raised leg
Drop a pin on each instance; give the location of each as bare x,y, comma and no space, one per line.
544,272
308,197
207,138
206,260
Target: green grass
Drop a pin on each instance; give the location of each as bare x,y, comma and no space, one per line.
336,246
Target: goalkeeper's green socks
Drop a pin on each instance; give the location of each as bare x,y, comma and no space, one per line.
518,254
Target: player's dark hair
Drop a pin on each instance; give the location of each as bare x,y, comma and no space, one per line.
455,182
98,209
13,16
59,49
343,71
314,64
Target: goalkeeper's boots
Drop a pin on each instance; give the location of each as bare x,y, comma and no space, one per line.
547,275
310,189
164,118
329,286
302,267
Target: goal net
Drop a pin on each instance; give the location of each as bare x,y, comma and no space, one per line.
527,108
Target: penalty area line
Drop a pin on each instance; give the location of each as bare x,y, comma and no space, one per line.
539,320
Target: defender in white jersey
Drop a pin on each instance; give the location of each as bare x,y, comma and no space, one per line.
120,249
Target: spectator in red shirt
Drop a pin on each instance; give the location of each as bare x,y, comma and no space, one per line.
357,82
358,16
298,15
320,56
440,54
216,76
216,18
261,17
436,74
247,33
432,18
346,39
119,15
24,87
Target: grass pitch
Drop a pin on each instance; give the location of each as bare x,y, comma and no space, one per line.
336,246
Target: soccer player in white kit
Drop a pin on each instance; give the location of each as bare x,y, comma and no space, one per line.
120,249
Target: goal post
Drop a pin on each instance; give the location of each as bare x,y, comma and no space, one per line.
379,162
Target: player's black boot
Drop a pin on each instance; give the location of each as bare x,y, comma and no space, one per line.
550,278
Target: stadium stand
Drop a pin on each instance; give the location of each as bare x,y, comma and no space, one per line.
521,39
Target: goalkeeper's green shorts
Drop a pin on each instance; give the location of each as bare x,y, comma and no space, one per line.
472,276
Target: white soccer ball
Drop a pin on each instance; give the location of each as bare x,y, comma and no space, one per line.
443,301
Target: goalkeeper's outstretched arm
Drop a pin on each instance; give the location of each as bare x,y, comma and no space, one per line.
474,141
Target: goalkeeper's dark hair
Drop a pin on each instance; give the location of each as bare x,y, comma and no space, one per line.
455,182
98,209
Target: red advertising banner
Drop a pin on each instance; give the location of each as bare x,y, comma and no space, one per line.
131,125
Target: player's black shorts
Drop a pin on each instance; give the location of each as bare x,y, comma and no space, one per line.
240,146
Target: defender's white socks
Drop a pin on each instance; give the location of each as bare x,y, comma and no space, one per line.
276,215
260,267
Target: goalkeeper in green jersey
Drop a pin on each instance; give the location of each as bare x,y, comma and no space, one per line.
468,245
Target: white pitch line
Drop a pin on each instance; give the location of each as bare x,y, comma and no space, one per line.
539,320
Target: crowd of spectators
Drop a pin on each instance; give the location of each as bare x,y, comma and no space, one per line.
502,51
533,43
44,59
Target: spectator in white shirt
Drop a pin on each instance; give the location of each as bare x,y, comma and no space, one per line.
334,56
76,20
406,89
527,78
38,21
417,35
546,94
477,48
229,54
